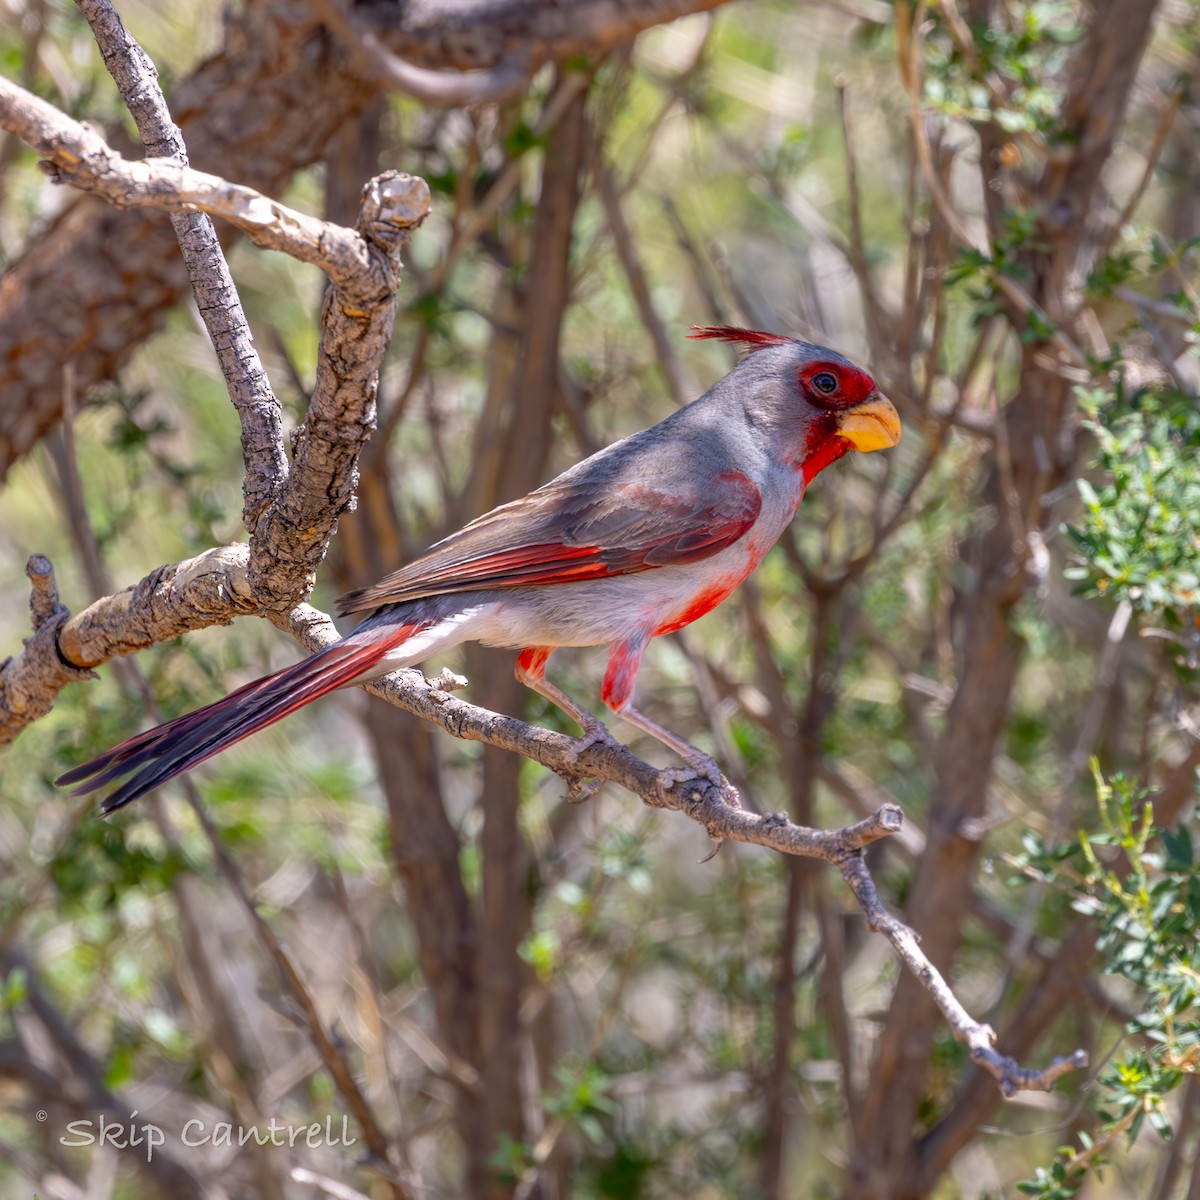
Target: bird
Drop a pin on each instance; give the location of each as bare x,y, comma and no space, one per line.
636,541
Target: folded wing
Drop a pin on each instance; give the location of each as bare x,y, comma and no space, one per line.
569,531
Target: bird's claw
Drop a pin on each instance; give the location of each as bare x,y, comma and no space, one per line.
702,767
580,789
705,768
595,734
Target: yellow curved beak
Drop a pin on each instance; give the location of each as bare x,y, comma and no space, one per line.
872,425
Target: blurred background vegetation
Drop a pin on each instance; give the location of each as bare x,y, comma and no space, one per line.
995,205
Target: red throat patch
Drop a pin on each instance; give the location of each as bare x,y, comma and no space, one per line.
827,452
749,339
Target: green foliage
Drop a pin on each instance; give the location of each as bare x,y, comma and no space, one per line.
1141,886
541,951
1024,54
976,273
1139,537
100,866
581,1101
14,988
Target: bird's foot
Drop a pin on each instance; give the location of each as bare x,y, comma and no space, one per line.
701,766
595,733
580,789
704,767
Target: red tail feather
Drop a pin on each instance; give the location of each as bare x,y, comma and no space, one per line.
161,754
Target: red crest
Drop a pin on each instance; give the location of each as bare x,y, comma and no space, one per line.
750,339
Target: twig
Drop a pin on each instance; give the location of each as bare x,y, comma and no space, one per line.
30,681
465,236
331,1187
291,515
292,532
856,249
331,1054
1165,121
196,970
698,799
223,582
77,1085
1160,308
220,307
356,328
978,1038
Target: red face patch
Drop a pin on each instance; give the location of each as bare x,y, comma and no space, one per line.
834,385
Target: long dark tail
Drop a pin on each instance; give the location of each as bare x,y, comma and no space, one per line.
162,753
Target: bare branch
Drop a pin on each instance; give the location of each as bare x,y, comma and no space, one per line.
356,327
77,1087
95,284
909,45
1170,109
474,35
29,682
220,307
292,517
51,305
639,287
977,1037
332,1055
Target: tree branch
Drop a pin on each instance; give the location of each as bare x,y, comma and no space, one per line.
473,35
96,285
79,156
445,89
356,326
220,306
30,682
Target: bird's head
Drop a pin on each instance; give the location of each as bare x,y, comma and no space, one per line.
817,403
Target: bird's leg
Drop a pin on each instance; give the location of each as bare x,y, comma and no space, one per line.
617,694
698,762
531,671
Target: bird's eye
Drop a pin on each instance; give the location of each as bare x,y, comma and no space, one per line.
826,383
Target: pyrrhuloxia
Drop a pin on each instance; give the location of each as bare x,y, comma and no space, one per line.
640,539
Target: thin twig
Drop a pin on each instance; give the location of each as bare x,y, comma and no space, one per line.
635,274
857,246
1165,121
979,1038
